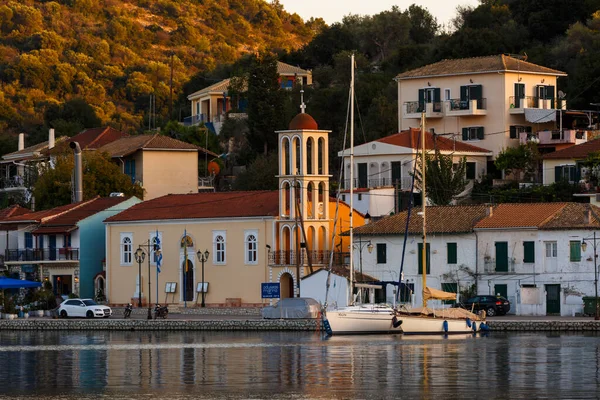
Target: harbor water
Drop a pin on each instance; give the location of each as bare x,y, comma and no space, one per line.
296,365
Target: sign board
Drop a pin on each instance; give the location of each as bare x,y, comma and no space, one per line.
270,290
171,287
202,287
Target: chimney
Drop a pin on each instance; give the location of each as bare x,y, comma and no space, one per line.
587,219
21,141
51,138
77,173
490,211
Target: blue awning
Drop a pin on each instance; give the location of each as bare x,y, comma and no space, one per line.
9,283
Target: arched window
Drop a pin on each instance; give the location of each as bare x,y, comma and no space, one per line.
187,240
219,249
126,249
251,245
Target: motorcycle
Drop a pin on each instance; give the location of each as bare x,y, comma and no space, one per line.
161,311
128,309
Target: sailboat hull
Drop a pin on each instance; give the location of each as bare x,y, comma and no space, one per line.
362,320
419,325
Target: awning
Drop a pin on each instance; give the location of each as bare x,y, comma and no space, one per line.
48,230
9,283
539,116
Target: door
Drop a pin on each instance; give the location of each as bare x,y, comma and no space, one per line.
501,290
52,247
188,281
501,256
552,299
519,95
362,175
397,174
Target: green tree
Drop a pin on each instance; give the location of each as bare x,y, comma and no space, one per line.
523,159
443,179
101,177
265,104
260,175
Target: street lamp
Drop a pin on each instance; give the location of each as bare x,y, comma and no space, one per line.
139,257
203,257
152,249
361,245
583,247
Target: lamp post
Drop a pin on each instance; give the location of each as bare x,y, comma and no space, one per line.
361,245
203,257
139,257
583,247
152,248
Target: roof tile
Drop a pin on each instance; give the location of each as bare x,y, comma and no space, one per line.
579,151
411,139
131,144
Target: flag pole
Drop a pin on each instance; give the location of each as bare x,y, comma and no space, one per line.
185,268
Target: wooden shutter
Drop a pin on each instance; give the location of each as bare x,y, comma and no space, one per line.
513,132
381,253
452,253
550,92
575,253
463,93
476,92
528,252
421,100
450,287
465,133
501,256
480,133
437,96
558,174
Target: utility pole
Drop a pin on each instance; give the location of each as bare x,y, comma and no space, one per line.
171,90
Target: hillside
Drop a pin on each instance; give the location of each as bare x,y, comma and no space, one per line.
114,54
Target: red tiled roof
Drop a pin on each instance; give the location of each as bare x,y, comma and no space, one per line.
444,219
203,205
72,217
13,210
90,139
410,139
44,215
495,63
36,148
579,151
129,145
542,216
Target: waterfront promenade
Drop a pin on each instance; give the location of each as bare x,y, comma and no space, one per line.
249,319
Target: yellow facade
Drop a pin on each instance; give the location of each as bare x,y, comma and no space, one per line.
165,172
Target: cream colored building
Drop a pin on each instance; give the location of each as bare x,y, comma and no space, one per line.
490,102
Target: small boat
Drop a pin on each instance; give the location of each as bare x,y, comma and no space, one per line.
426,320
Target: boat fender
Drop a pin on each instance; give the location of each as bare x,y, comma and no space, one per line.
474,326
327,327
468,322
484,327
395,322
445,326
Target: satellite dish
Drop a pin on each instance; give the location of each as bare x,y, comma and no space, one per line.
561,94
213,168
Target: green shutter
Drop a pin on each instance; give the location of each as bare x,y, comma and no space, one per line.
575,250
470,170
381,253
421,259
463,93
452,256
476,92
550,93
572,174
501,256
465,133
437,95
421,100
558,174
528,252
513,132
450,287
480,133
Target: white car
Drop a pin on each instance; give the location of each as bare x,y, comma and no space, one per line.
87,308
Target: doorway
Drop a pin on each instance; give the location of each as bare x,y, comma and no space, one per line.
286,283
63,284
552,299
187,279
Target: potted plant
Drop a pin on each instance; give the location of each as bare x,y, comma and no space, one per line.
10,312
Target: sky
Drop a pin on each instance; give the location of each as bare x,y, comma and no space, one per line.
334,10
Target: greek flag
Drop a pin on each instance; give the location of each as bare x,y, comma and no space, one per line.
159,256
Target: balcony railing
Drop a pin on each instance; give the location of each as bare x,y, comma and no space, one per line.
461,105
317,257
556,136
490,266
413,107
536,102
46,254
194,119
403,183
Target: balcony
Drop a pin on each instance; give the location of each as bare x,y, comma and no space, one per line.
41,255
194,120
554,137
317,258
206,184
518,105
489,267
413,109
403,183
464,108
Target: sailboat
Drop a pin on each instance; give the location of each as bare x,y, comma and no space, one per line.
358,318
426,320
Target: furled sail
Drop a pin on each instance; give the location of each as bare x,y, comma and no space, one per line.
435,294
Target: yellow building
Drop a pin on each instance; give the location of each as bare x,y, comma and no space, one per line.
251,237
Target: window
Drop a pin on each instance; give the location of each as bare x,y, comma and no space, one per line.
528,252
381,253
28,240
420,255
472,133
130,169
343,197
575,253
551,249
219,247
406,292
251,247
567,173
471,170
450,287
447,95
452,256
515,130
360,197
126,248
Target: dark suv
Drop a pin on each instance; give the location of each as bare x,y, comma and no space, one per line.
492,305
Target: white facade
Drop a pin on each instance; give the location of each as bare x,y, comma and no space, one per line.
314,286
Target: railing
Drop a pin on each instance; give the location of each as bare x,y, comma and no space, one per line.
14,182
46,254
194,119
536,102
404,183
317,257
206,181
413,107
461,105
554,136
489,267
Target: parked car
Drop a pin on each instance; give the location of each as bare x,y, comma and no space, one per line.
294,307
87,308
492,305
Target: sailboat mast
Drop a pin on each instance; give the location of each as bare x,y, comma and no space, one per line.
423,202
351,300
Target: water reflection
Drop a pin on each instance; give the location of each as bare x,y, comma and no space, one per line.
296,365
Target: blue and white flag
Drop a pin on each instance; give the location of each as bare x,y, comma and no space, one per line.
156,250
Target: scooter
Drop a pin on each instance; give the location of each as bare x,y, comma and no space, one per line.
128,309
161,311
